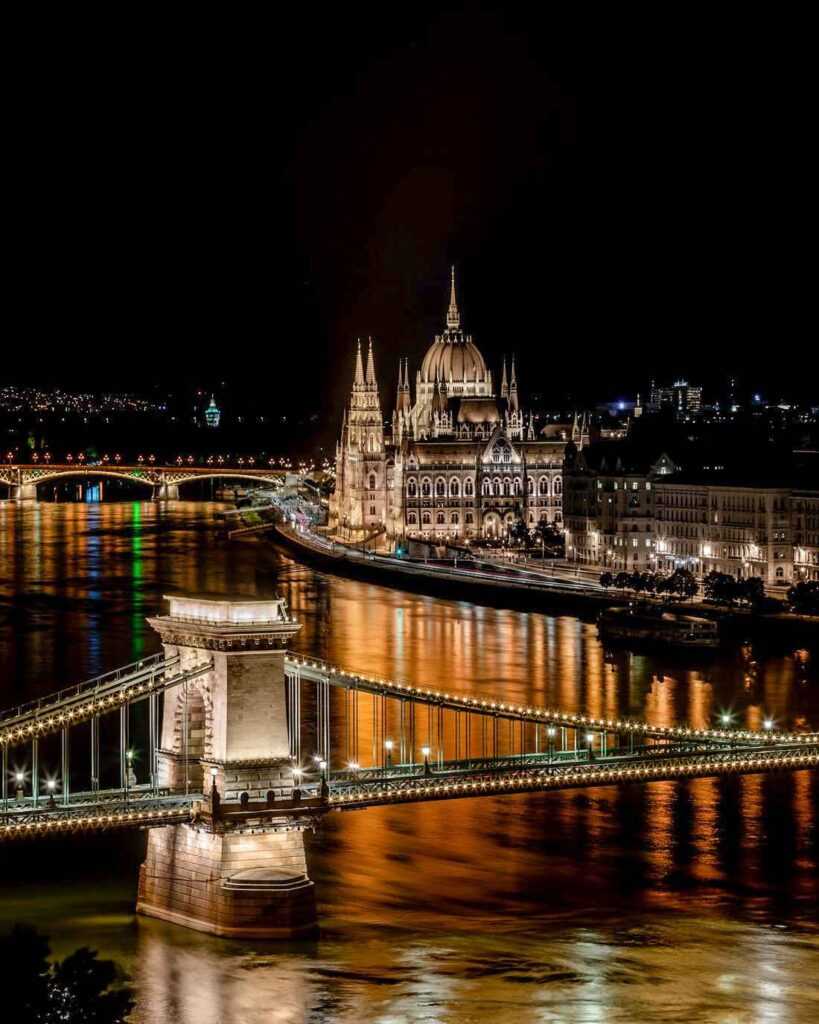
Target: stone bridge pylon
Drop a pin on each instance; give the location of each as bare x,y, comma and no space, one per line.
239,868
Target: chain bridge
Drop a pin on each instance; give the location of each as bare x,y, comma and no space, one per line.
228,747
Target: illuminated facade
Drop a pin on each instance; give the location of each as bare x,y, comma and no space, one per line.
460,461
623,512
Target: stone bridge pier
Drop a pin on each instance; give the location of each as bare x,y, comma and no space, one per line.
167,492
25,492
239,869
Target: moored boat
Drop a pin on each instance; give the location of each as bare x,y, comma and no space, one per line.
650,624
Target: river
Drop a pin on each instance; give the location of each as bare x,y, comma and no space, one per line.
691,901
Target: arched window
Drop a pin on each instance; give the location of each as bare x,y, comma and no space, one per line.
412,487
516,488
558,485
439,518
486,487
469,519
496,487
507,487
454,488
372,481
425,519
455,519
469,487
530,485
440,487
543,485
426,487
412,519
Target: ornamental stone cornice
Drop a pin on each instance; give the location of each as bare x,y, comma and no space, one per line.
184,634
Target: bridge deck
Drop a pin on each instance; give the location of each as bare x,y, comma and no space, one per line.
143,808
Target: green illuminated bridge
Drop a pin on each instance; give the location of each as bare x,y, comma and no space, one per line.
228,747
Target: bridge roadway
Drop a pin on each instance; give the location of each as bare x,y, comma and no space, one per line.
144,807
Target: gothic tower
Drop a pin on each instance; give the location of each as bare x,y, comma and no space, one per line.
359,505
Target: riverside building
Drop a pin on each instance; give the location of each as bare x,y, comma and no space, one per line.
626,509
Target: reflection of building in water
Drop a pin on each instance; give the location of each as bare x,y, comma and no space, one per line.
461,460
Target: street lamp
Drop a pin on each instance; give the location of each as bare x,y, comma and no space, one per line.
51,785
19,778
590,741
388,745
129,760
425,753
297,774
551,732
325,789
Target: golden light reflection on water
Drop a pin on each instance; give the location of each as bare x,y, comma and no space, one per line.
695,900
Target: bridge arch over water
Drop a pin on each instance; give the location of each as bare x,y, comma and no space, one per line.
163,481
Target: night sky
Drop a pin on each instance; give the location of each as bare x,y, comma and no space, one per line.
189,202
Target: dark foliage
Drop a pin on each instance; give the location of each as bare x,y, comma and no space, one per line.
78,990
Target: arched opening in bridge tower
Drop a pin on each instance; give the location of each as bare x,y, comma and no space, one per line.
193,711
190,739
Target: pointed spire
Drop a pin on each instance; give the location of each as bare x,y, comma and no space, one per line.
453,317
513,389
504,385
370,365
359,367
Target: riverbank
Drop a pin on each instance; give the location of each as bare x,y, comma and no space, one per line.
514,588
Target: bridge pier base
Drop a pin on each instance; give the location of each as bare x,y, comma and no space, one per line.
237,886
239,868
25,492
168,492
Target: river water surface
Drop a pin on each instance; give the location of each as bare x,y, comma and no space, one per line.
692,901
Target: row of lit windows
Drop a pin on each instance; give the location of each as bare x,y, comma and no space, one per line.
497,486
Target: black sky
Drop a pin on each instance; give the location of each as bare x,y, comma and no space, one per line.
195,200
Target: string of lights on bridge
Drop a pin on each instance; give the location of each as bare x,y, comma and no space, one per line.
539,715
54,722
424,789
221,459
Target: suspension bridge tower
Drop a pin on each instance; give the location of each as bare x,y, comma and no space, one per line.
239,868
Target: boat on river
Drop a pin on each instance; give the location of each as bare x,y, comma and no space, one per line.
652,624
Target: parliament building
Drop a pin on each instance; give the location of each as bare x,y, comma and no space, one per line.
460,459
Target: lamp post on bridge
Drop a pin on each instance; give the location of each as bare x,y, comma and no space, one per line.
129,760
590,741
388,745
551,732
425,752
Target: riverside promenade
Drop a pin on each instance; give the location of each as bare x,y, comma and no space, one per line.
514,586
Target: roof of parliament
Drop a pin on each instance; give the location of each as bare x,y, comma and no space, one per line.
452,356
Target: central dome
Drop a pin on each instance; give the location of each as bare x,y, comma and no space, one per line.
453,357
